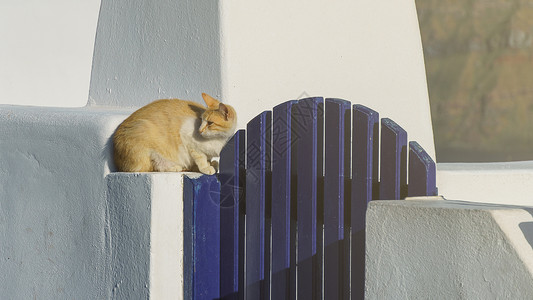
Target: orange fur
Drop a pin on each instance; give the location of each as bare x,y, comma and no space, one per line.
173,135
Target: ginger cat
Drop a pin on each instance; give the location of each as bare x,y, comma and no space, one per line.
173,135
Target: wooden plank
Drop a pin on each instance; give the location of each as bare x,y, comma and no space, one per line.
334,179
257,166
364,162
393,170
266,287
282,240
319,256
188,245
363,189
306,122
231,177
422,172
205,236
294,201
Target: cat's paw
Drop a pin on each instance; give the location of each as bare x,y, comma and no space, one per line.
208,171
214,164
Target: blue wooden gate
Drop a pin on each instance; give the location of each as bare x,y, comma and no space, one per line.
285,219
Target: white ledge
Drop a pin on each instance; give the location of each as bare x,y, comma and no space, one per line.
502,183
429,249
147,227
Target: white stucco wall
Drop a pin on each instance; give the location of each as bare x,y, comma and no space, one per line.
256,55
436,249
146,226
53,163
46,52
148,50
368,52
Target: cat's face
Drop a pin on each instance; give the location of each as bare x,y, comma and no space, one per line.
218,120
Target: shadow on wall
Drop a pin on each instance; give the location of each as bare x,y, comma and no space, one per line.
107,153
527,230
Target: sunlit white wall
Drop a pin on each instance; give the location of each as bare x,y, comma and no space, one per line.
46,50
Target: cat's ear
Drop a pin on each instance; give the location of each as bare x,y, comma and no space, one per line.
210,101
224,109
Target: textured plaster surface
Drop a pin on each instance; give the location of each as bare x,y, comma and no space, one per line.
68,230
146,224
437,249
148,50
53,164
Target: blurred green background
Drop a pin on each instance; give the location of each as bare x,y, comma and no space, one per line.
479,65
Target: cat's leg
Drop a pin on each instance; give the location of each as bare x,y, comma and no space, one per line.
201,161
161,164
